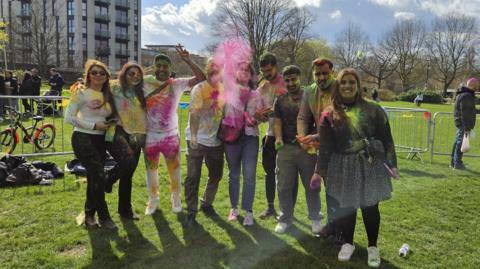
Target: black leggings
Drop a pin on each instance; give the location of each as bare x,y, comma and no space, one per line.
90,150
347,218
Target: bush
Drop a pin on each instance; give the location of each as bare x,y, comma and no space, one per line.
386,95
430,97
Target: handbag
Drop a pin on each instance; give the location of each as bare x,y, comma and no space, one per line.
465,143
230,134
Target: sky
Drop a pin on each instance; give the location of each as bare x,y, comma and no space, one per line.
188,21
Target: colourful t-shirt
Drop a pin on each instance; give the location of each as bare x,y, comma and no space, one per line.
269,91
87,107
162,107
208,102
132,115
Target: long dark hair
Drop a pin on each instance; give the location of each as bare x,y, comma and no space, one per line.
107,93
337,108
138,89
26,76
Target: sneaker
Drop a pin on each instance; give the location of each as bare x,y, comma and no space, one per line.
459,167
108,224
176,202
233,214
152,206
346,252
208,210
129,215
281,227
316,227
373,257
90,221
248,220
270,211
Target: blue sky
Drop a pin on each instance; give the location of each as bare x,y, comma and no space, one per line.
188,21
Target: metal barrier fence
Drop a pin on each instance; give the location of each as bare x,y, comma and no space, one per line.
443,136
410,130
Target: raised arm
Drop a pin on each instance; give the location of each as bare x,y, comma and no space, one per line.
199,76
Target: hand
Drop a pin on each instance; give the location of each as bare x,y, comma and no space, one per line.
193,142
308,141
396,175
278,144
262,114
101,126
183,53
315,181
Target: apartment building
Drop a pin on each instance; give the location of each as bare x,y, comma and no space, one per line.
65,33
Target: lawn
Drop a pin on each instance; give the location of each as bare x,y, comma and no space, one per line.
434,210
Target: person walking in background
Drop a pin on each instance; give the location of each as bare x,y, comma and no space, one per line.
88,111
26,89
465,117
11,85
163,96
36,86
375,95
205,114
356,159
292,159
56,83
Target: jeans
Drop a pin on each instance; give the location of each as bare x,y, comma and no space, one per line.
456,150
242,156
214,161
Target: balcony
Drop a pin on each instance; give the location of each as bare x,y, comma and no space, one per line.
122,53
102,34
122,20
123,4
104,17
122,37
25,13
102,51
103,2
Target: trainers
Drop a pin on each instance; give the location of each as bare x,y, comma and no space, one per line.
316,227
176,202
281,227
268,212
373,257
152,206
233,214
346,252
459,167
90,221
248,220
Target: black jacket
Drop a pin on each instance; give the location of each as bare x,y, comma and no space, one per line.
56,83
465,112
27,87
36,85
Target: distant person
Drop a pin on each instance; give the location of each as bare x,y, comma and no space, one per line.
2,92
375,95
36,85
11,85
418,99
26,89
56,83
465,116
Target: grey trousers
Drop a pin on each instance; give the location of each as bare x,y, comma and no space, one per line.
292,161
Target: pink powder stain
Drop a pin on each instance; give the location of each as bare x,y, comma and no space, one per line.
162,108
169,147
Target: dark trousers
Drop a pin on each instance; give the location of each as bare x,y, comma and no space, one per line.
456,150
125,149
90,150
347,218
214,160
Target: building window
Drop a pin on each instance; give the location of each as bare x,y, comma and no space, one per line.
84,43
70,8
71,43
101,10
71,26
84,27
84,9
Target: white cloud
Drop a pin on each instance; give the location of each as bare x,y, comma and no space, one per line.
404,15
390,3
313,3
337,14
437,7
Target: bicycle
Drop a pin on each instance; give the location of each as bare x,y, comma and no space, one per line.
42,137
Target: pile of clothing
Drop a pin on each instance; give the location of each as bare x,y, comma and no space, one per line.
16,171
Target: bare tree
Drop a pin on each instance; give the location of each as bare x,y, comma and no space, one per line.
448,44
260,22
348,44
379,63
406,40
472,61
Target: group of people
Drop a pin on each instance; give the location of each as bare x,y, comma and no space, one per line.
323,133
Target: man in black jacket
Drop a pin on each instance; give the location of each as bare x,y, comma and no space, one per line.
36,85
465,117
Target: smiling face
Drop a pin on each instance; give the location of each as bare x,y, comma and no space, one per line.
348,88
162,70
97,77
133,76
269,72
243,74
292,82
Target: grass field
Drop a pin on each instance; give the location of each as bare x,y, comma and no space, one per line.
434,210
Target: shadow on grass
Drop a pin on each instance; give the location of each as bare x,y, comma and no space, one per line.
102,251
419,173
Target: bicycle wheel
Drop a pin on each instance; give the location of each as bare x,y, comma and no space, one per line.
8,141
44,136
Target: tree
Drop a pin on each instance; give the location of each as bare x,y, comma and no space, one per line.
260,22
406,41
348,44
379,63
448,44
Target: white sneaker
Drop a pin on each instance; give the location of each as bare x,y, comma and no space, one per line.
233,214
281,227
373,257
176,202
248,220
316,226
346,252
152,206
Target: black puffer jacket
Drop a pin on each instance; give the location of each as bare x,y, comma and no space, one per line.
465,111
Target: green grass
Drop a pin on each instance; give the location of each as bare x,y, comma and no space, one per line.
434,210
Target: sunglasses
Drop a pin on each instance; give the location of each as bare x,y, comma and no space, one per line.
99,73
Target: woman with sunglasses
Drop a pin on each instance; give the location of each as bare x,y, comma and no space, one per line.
88,110
129,136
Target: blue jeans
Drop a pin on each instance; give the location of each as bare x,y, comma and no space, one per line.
242,153
456,152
